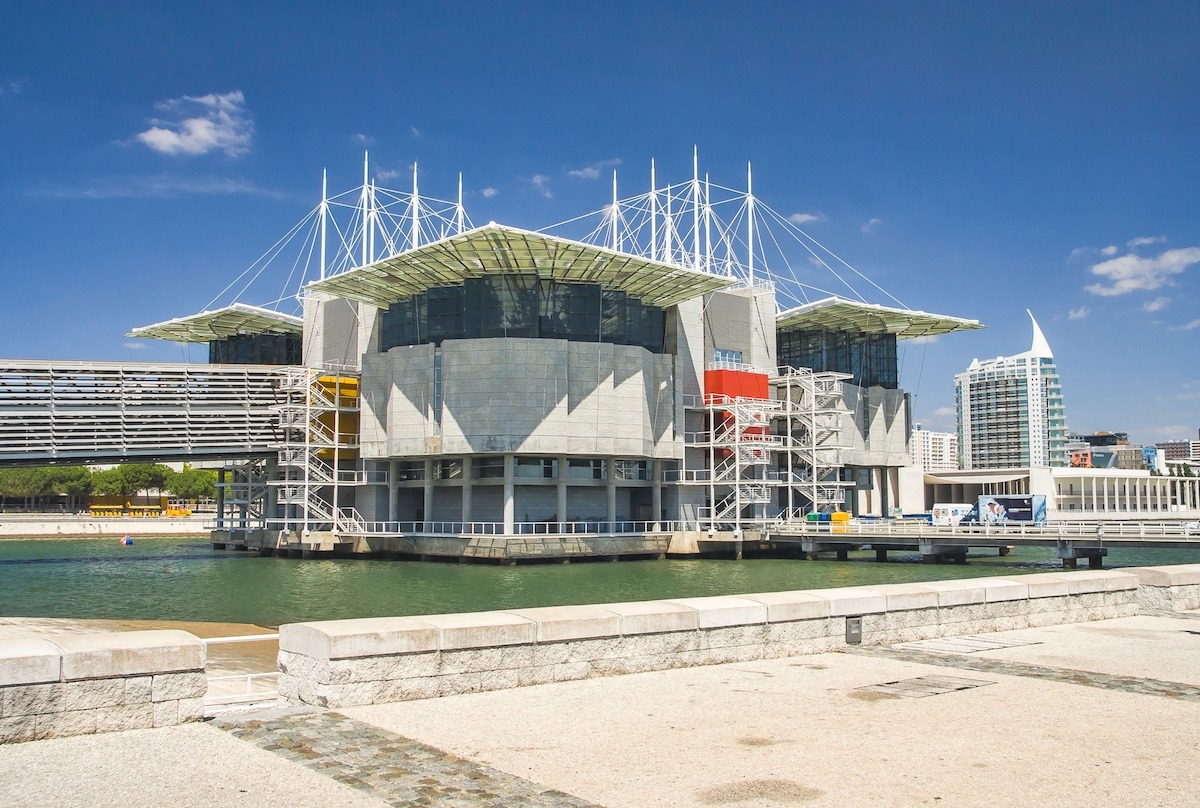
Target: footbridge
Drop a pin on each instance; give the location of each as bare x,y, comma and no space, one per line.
55,412
1073,541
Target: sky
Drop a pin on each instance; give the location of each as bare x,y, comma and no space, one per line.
973,159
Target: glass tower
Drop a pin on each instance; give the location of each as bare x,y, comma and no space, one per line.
1010,410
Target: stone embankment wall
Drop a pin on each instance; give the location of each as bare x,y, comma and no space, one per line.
87,528
354,662
80,684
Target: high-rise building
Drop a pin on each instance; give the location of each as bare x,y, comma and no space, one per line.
934,451
1010,410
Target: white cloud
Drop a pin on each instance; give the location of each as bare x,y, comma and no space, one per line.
489,192
387,173
540,183
1192,326
1157,304
1079,313
591,172
1129,273
1165,433
1080,252
1111,249
13,86
201,124
361,139
945,412
871,225
805,218
155,186
1142,241
414,130
136,346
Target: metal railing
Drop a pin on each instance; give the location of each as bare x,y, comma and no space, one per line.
251,691
569,528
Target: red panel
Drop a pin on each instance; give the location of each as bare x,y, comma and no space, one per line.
736,384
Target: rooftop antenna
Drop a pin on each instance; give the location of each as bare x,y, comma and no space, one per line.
324,214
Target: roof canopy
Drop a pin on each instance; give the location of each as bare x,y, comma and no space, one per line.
238,319
838,314
496,248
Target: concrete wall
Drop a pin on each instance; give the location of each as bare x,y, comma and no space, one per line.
741,320
876,434
83,528
79,684
533,396
331,331
352,662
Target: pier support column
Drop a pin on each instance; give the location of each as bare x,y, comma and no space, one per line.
468,473
880,554
220,498
656,493
611,465
561,506
393,489
427,504
510,506
843,554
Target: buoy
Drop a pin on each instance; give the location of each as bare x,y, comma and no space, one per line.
126,541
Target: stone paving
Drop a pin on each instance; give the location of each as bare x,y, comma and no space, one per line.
1106,681
389,767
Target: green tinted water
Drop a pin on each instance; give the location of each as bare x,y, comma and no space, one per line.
184,579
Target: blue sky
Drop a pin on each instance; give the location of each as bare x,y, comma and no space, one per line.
973,159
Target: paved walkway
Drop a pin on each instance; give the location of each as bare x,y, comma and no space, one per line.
1103,714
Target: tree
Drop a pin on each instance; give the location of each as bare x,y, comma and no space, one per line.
192,483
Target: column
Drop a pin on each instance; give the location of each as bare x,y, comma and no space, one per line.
610,465
656,494
393,490
220,498
468,487
510,506
561,506
427,505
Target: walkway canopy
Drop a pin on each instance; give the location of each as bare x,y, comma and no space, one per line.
237,319
496,248
839,314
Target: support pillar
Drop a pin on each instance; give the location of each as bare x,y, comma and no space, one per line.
427,504
880,554
611,466
656,493
393,505
220,498
510,505
561,505
467,488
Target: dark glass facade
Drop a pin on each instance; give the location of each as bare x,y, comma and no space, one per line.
869,358
256,349
522,306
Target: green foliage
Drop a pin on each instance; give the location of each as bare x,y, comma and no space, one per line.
192,483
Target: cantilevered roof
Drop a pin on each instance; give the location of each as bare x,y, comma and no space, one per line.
496,248
838,314
222,324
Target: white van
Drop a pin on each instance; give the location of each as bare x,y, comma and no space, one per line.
949,514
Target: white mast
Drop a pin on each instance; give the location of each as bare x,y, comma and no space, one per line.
458,213
750,223
416,222
366,218
653,214
373,222
696,206
707,225
613,224
324,215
